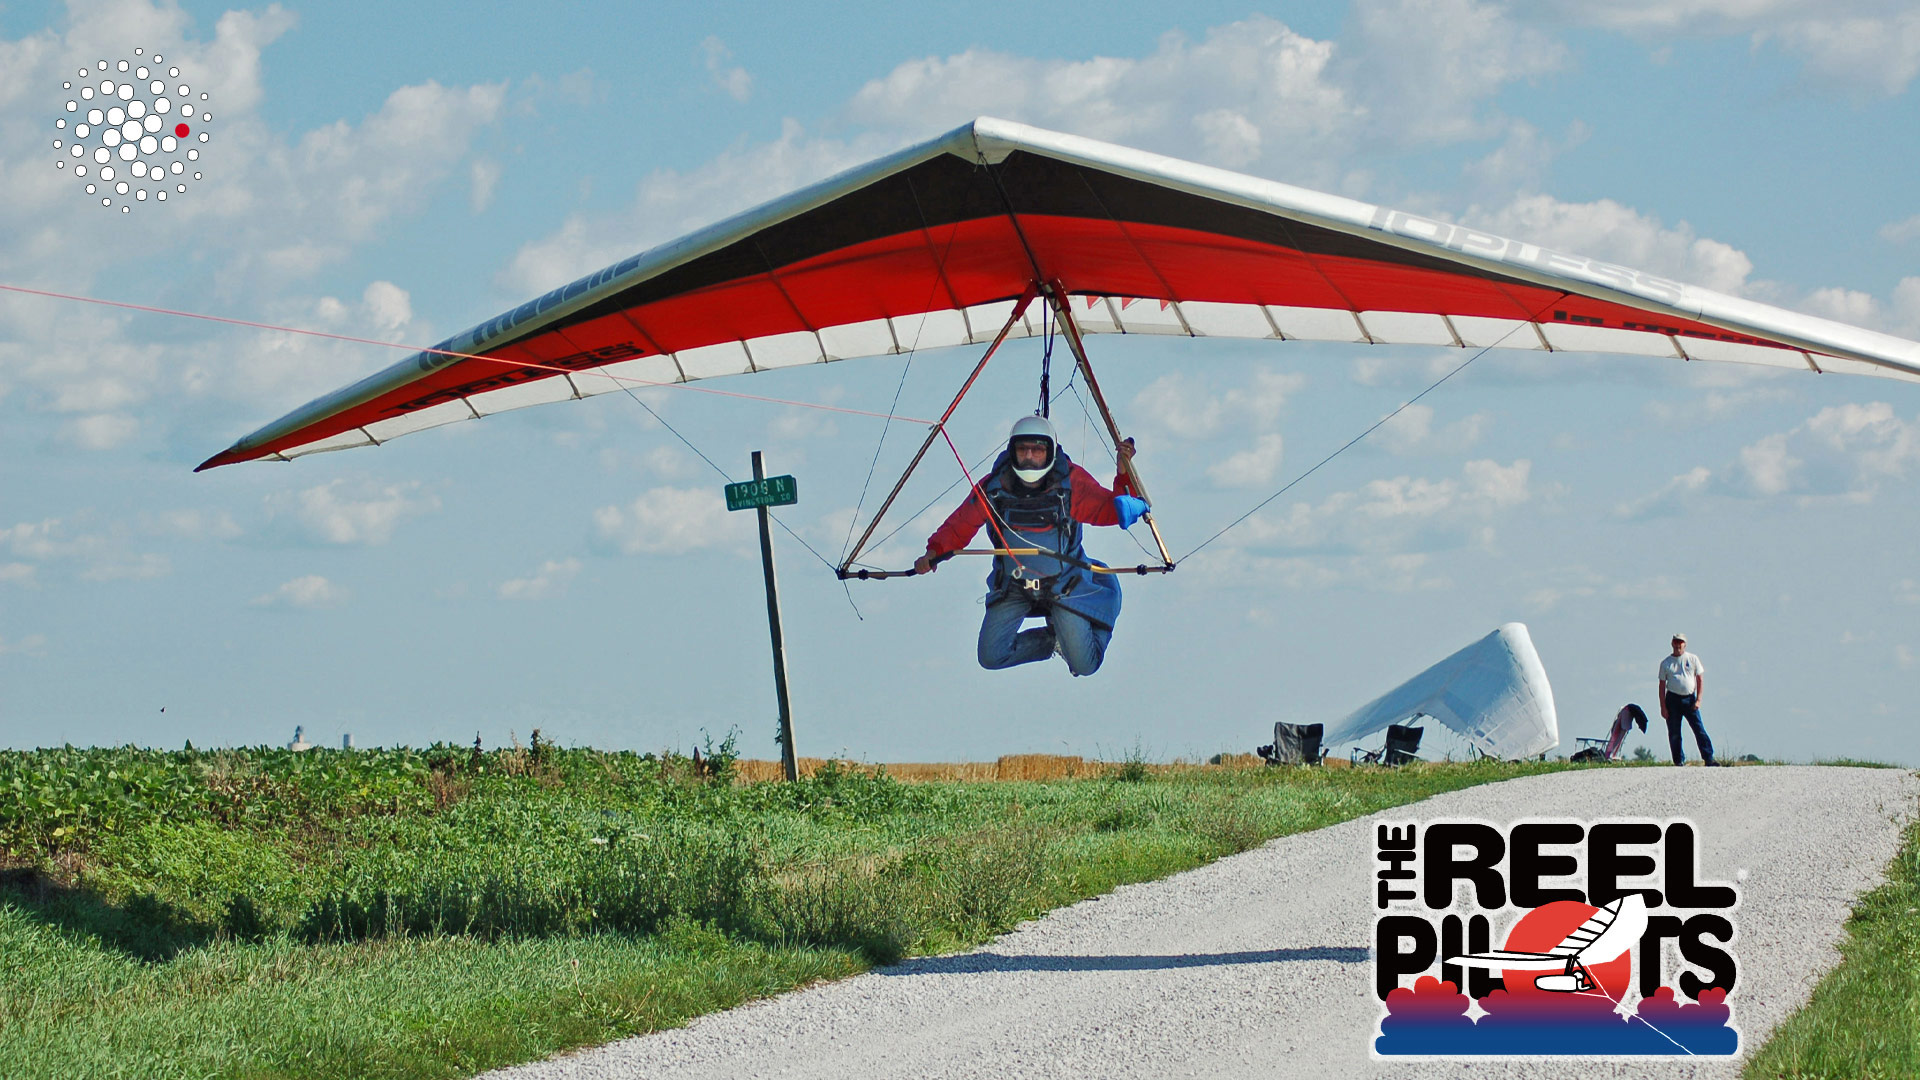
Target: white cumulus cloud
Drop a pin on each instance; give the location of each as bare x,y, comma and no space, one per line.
1402,514
1675,497
352,512
549,580
101,431
1252,467
668,521
192,524
354,178
102,554
484,175
38,539
1245,89
1413,432
669,203
31,645
729,77
1608,230
1864,46
308,592
128,567
1182,405
1901,231
273,207
1849,451
1426,66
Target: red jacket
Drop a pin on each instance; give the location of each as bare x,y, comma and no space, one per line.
1091,504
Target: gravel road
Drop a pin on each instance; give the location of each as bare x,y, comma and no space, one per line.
1257,965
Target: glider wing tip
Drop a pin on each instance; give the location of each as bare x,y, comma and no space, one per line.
224,457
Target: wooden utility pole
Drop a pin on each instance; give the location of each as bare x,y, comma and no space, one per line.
789,759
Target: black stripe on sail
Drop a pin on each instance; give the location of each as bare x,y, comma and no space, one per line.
950,190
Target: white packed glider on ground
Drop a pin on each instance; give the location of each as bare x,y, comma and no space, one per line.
1493,693
950,242
1610,931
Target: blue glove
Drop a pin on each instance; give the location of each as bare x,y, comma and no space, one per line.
1130,508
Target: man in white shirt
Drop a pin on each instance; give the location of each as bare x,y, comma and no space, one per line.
1683,681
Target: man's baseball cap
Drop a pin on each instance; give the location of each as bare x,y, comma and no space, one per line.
1679,637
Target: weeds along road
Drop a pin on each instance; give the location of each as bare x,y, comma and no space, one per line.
1257,965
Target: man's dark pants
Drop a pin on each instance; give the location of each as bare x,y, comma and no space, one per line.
1687,705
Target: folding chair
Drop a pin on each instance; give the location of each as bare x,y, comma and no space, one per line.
1294,744
1403,741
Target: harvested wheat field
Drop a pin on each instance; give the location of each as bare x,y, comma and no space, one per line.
1007,767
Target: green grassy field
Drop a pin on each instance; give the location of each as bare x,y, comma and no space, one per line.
402,913
435,913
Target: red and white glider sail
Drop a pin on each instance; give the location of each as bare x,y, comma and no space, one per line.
933,246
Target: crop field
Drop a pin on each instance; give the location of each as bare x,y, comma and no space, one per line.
1006,767
432,913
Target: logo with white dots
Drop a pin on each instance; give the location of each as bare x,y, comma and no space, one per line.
132,132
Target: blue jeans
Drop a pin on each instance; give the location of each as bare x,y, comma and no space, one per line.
1003,644
1688,706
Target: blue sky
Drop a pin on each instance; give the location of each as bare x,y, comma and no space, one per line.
400,172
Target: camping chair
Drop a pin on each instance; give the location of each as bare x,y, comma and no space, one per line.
1402,742
1294,744
1608,749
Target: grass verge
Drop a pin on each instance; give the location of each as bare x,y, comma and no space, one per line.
1864,1018
415,914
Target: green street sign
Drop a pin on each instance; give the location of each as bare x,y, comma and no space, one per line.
773,491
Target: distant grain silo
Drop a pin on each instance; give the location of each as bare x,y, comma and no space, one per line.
299,739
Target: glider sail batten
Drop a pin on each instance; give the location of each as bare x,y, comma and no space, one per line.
1488,251
928,246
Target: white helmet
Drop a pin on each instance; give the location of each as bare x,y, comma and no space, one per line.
1034,427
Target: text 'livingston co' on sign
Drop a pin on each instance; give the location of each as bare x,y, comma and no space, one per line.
773,491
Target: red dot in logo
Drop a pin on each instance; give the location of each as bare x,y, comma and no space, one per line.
180,130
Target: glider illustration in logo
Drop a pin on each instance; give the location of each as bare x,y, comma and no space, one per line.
1613,930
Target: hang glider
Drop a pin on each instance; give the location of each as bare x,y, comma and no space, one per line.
1612,930
935,245
1493,693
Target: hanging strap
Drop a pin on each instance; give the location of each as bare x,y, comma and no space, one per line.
1046,364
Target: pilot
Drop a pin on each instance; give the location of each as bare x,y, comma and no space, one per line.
1038,500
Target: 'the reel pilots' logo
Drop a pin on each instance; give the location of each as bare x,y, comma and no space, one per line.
1581,970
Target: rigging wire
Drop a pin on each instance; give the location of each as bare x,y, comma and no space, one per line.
728,478
1087,419
984,458
940,273
915,516
1376,426
853,520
